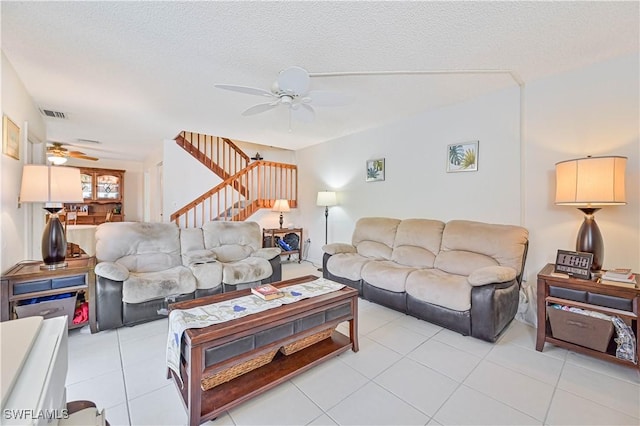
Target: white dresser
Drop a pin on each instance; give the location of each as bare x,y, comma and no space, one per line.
34,361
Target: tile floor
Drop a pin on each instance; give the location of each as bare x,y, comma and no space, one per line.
407,372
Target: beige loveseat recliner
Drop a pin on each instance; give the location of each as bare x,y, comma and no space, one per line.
144,266
462,275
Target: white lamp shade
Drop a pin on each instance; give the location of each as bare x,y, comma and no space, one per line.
50,184
280,206
326,198
591,181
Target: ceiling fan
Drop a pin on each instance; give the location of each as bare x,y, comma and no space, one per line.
58,154
291,89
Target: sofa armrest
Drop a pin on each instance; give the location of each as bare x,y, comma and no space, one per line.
112,271
335,248
267,252
491,275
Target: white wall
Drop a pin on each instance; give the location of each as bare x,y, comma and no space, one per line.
416,182
17,105
591,111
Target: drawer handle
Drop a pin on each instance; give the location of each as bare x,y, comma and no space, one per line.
577,324
49,311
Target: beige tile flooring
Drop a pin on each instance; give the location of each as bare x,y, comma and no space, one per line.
407,372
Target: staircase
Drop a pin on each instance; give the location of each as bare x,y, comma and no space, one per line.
245,188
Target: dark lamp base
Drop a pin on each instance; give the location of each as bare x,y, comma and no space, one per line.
589,239
54,244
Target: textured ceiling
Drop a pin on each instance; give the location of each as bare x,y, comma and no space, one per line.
131,74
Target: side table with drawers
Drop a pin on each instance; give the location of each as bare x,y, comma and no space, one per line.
27,290
623,302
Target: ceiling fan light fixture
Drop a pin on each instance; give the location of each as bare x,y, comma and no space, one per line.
56,160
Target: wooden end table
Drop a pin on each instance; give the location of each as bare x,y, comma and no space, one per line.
203,405
589,295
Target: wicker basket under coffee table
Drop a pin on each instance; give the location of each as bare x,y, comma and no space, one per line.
226,364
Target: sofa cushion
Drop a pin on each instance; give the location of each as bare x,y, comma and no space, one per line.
220,233
347,265
142,287
440,288
198,257
387,275
489,244
248,270
115,240
417,242
208,275
191,239
149,262
491,275
232,252
374,236
462,262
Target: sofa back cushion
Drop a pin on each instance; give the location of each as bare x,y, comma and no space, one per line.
417,242
191,239
374,237
219,233
139,246
468,245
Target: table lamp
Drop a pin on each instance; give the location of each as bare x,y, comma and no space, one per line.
588,184
52,185
281,206
326,199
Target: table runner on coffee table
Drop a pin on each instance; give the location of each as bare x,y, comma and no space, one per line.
204,316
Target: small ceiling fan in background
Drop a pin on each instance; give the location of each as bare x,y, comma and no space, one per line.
291,89
58,154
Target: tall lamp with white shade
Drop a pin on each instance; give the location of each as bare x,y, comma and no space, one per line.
326,199
588,184
53,186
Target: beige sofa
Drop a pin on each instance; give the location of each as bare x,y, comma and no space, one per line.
144,266
462,275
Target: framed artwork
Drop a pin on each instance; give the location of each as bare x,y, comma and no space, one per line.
375,170
10,138
462,157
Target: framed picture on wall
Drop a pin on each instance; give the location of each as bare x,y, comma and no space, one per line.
10,138
375,170
462,157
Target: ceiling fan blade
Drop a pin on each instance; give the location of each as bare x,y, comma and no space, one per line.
84,157
75,153
257,109
245,89
303,113
294,80
328,98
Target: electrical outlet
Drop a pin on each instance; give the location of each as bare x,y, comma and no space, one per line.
308,241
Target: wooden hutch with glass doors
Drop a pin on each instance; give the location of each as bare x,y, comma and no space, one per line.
103,193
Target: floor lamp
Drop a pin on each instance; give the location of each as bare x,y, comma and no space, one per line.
52,185
326,199
588,184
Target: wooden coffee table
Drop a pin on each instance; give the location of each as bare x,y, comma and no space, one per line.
226,364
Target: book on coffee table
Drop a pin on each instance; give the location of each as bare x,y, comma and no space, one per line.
267,292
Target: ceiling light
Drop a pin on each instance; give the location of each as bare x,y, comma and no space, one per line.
57,160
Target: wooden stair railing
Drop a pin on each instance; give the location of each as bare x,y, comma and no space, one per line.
265,181
220,155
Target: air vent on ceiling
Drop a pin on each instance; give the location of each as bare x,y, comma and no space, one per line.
88,141
53,114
